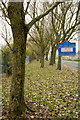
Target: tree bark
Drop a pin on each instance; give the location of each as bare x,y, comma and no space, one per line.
52,56
17,18
42,59
38,57
59,63
47,55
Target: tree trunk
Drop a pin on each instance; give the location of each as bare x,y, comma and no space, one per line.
38,57
52,56
42,59
59,63
17,18
47,55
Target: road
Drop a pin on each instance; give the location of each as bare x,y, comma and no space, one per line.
72,64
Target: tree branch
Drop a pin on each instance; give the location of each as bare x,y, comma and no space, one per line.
4,18
72,27
33,39
29,25
6,39
3,4
27,6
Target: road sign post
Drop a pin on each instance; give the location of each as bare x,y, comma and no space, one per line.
73,65
67,49
61,64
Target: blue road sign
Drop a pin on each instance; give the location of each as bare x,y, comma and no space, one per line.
67,48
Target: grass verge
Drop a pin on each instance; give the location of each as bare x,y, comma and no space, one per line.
52,93
48,91
72,59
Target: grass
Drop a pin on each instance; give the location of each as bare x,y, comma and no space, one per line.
52,91
76,59
48,91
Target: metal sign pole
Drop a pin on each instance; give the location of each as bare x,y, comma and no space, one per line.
73,65
61,64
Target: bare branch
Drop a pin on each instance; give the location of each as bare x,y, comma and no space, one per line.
4,9
78,11
4,18
42,15
3,4
33,39
6,38
27,6
72,27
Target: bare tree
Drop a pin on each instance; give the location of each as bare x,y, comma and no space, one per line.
15,12
64,25
69,23
40,33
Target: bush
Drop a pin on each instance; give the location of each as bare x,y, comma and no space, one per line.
6,61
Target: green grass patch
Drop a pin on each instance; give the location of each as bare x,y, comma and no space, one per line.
76,59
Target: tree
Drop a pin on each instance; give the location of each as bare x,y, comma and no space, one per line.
40,33
69,23
55,30
41,41
64,26
34,48
47,52
15,12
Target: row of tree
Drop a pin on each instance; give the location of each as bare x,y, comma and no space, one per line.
52,24
60,25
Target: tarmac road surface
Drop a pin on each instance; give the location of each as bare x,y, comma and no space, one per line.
73,64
